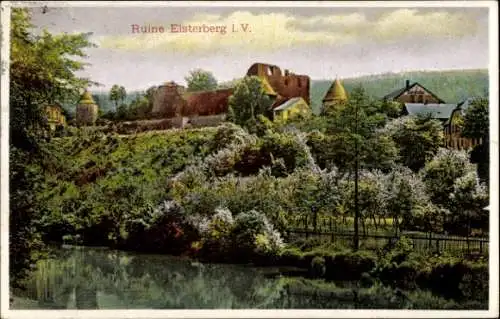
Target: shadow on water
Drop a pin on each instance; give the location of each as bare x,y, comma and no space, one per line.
90,278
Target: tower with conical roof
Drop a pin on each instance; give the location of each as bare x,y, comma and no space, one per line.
86,110
335,96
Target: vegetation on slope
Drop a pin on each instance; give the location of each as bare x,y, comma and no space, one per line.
452,86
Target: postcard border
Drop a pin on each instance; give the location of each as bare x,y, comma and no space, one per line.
494,239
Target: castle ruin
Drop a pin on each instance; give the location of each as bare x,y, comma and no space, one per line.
172,100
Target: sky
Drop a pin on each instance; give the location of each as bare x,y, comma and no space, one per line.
323,43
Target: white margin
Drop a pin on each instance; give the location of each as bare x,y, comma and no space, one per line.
4,158
493,311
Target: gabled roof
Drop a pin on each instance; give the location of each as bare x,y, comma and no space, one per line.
336,92
437,111
278,101
397,93
290,103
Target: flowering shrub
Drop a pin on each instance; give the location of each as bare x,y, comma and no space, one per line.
215,233
253,233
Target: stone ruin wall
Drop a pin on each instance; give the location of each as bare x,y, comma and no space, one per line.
286,84
168,101
171,100
86,114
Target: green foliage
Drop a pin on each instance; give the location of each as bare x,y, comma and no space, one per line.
418,139
200,80
105,180
452,86
470,198
253,233
441,173
476,125
476,119
318,267
248,100
406,194
42,71
354,132
117,94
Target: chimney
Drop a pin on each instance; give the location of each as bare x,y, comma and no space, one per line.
407,84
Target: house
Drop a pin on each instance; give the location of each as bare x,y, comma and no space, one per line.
413,93
453,128
336,95
54,115
441,112
291,109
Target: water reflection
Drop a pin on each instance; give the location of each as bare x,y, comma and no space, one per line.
89,278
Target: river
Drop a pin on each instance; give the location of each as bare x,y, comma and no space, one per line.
98,278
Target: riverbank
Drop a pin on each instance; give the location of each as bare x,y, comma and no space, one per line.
396,266
96,278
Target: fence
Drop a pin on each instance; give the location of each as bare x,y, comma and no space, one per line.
327,230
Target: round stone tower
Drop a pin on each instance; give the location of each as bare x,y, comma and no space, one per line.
86,110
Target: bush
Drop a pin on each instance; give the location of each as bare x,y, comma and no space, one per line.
349,265
216,234
459,280
318,267
254,234
164,230
293,257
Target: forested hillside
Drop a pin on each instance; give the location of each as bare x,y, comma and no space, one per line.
451,86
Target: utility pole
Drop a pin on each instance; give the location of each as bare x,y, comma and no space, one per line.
356,179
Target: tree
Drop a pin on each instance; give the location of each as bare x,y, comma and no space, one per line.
200,80
122,94
117,94
469,197
476,126
417,137
42,71
150,95
139,108
248,101
441,173
405,196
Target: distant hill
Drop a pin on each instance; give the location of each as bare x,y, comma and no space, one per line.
452,86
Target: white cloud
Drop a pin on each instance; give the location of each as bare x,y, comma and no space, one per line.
273,31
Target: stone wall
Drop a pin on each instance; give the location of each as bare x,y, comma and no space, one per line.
86,114
169,101
286,84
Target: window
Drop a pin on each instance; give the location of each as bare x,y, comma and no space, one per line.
299,82
269,71
286,81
